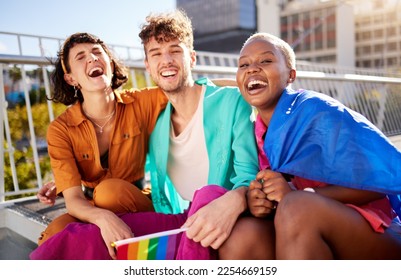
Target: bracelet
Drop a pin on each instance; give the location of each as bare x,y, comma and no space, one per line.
309,190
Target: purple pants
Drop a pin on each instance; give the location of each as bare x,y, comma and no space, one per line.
82,241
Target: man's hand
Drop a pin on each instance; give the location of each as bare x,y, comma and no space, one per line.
212,224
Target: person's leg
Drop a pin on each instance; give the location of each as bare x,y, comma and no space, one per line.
77,241
57,225
251,239
121,196
310,226
189,249
82,241
116,195
143,223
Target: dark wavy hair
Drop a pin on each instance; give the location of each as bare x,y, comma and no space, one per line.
63,92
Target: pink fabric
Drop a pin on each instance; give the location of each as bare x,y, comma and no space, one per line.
260,131
378,214
82,241
189,249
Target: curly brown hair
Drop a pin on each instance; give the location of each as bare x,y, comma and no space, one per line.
63,92
168,26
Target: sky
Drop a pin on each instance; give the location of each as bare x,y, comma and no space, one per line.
114,21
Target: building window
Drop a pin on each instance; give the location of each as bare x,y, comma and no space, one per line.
319,45
331,39
284,36
294,19
377,34
378,63
363,22
366,63
366,50
319,38
366,35
391,31
378,19
247,14
392,17
307,46
392,46
378,48
331,22
391,61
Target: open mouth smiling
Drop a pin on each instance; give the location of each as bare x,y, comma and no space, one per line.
167,74
95,72
255,85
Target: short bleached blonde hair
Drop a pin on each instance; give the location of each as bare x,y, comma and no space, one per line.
283,46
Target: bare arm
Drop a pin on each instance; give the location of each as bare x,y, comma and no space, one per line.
111,227
275,187
348,195
212,224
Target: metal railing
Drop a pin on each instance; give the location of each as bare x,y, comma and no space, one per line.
375,94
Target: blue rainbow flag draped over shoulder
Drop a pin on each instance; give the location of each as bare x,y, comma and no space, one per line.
313,136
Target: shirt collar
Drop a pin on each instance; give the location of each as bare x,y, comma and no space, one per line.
75,115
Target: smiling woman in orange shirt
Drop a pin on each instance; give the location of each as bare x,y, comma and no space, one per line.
99,143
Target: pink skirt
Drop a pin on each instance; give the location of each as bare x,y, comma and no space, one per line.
83,241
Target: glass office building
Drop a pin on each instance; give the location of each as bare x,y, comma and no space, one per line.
221,25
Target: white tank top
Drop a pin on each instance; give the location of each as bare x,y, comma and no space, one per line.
188,162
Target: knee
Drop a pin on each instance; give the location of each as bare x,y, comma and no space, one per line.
111,188
108,192
120,196
293,211
251,238
234,247
57,225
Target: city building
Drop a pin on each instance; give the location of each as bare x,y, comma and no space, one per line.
221,25
378,34
354,33
312,26
320,31
348,33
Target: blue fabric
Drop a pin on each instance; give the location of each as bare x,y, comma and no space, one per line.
314,136
230,143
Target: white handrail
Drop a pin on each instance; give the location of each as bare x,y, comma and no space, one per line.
373,93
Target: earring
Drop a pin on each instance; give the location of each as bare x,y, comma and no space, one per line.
76,92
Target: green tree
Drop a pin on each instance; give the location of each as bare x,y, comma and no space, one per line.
15,75
20,133
23,155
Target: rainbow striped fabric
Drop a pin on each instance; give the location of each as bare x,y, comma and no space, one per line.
156,246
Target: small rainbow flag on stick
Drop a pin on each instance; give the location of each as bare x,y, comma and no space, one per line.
155,246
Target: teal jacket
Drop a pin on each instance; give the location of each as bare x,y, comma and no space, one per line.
230,142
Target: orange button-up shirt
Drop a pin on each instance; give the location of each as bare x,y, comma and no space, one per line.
73,147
